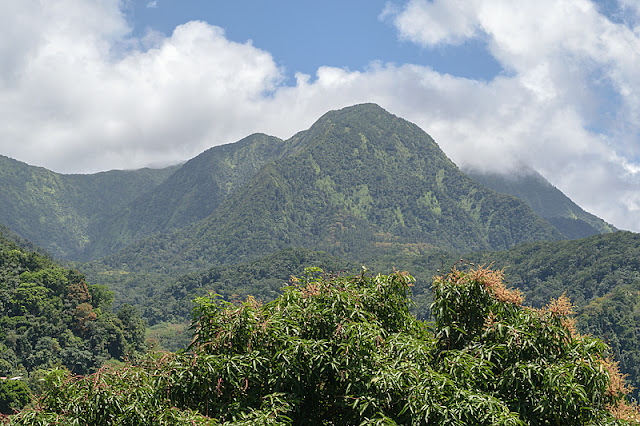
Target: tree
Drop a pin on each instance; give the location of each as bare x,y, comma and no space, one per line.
13,396
533,360
347,350
47,318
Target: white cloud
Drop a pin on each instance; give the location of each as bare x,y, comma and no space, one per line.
78,93
430,23
72,101
570,105
152,4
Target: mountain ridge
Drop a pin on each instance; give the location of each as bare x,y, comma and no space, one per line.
357,177
333,186
56,211
192,193
546,200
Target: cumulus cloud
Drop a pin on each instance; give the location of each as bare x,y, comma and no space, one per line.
80,93
431,23
568,102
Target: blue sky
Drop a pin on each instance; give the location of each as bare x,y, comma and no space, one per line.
303,36
90,85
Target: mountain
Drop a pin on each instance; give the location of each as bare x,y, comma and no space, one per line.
546,200
8,236
88,216
190,194
360,180
56,211
362,185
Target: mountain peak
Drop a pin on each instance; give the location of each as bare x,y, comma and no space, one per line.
362,130
359,181
360,108
367,111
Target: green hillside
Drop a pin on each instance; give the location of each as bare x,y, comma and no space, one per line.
547,201
58,212
50,317
360,187
190,194
82,217
585,268
359,180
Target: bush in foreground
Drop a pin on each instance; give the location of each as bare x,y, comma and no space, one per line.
346,350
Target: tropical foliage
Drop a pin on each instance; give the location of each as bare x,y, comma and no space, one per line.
589,270
346,350
50,317
600,274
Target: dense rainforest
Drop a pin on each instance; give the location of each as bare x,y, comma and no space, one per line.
599,274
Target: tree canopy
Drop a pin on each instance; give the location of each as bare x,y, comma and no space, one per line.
347,350
50,317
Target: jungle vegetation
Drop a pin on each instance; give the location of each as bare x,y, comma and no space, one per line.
347,350
50,317
360,187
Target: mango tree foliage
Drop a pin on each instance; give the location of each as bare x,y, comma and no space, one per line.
347,350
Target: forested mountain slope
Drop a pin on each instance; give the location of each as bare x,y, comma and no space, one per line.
586,268
359,180
56,211
192,193
546,200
